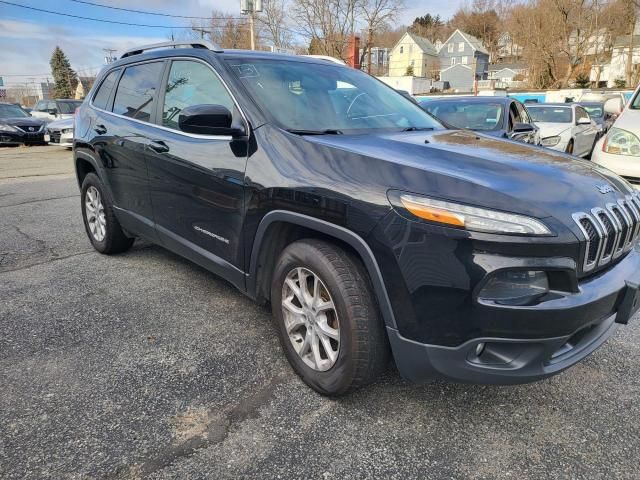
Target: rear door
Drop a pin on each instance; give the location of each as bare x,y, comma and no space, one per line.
197,181
127,129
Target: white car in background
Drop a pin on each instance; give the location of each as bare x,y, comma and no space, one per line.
619,149
60,133
565,127
50,110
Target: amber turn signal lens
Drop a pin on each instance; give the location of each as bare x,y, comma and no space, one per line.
433,214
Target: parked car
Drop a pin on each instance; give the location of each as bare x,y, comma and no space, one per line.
619,150
17,127
366,224
60,133
596,112
501,117
565,127
50,110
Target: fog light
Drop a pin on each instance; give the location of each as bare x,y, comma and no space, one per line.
515,287
479,349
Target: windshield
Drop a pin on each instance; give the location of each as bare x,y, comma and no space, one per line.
9,111
594,111
550,114
318,97
68,107
471,115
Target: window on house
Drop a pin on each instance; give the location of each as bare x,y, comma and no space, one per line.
410,48
413,62
464,60
461,47
453,60
401,49
450,48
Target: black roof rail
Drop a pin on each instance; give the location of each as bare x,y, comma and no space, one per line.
191,43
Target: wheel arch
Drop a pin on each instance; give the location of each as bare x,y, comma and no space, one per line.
279,228
85,164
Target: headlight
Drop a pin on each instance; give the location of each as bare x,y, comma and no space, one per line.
472,218
550,141
7,128
513,287
621,142
67,130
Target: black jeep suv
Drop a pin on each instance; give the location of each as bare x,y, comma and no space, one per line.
368,226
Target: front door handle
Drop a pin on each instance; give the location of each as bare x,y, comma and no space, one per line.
158,146
100,129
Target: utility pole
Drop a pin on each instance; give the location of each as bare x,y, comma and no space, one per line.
369,46
250,7
109,57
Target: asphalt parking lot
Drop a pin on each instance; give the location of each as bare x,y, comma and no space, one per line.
143,365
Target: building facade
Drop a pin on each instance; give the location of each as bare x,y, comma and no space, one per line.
415,52
463,60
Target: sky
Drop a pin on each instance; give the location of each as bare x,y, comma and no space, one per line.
28,37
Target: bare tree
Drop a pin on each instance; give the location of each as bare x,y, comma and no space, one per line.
274,18
377,14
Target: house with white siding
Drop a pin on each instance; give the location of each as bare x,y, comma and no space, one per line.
463,59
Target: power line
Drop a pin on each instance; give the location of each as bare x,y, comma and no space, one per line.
101,19
146,12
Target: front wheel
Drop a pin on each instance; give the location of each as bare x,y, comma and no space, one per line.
569,149
327,319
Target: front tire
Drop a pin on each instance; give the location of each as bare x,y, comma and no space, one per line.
328,322
100,222
569,149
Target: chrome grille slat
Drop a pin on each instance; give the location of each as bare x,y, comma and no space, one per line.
609,231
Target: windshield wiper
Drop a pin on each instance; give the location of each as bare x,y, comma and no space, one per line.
416,129
328,131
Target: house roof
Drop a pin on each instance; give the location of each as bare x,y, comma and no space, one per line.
475,43
496,67
424,44
623,41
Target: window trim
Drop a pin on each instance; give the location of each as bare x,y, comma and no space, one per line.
154,124
111,96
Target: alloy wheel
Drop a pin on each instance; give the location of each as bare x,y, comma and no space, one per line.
94,210
310,319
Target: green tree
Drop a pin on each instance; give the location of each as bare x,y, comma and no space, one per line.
64,76
409,72
582,81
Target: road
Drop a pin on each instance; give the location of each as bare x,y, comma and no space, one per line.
143,365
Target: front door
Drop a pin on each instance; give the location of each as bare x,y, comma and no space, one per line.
197,181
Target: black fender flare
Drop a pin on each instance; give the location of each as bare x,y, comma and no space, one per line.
331,230
82,155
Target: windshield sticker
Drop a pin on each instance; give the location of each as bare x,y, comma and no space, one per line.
246,70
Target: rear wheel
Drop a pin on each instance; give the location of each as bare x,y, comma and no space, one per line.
100,222
327,320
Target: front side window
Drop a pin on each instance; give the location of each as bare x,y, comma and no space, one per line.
550,114
104,92
41,106
192,83
581,114
136,91
524,115
322,96
68,107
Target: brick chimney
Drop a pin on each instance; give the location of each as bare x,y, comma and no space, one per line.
353,55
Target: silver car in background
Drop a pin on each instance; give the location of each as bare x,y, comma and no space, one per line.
60,133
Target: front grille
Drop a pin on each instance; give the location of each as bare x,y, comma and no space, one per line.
54,136
27,128
610,231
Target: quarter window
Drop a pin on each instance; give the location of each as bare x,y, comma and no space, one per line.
104,92
192,83
136,92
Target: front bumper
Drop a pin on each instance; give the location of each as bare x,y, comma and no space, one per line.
588,318
60,139
17,138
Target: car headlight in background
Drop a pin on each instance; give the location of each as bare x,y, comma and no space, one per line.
550,141
621,142
67,130
472,218
7,128
515,287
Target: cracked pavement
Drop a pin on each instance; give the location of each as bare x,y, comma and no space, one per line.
143,365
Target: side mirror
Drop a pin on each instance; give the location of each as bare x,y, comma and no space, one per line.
613,106
584,121
208,120
52,111
523,128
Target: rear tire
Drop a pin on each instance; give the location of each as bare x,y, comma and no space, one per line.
100,222
332,350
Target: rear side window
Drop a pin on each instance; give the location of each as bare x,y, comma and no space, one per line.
104,92
136,93
192,83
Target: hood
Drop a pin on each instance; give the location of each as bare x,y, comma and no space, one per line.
629,120
480,170
548,129
22,121
60,124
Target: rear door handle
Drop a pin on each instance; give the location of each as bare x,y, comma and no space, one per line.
158,146
100,129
